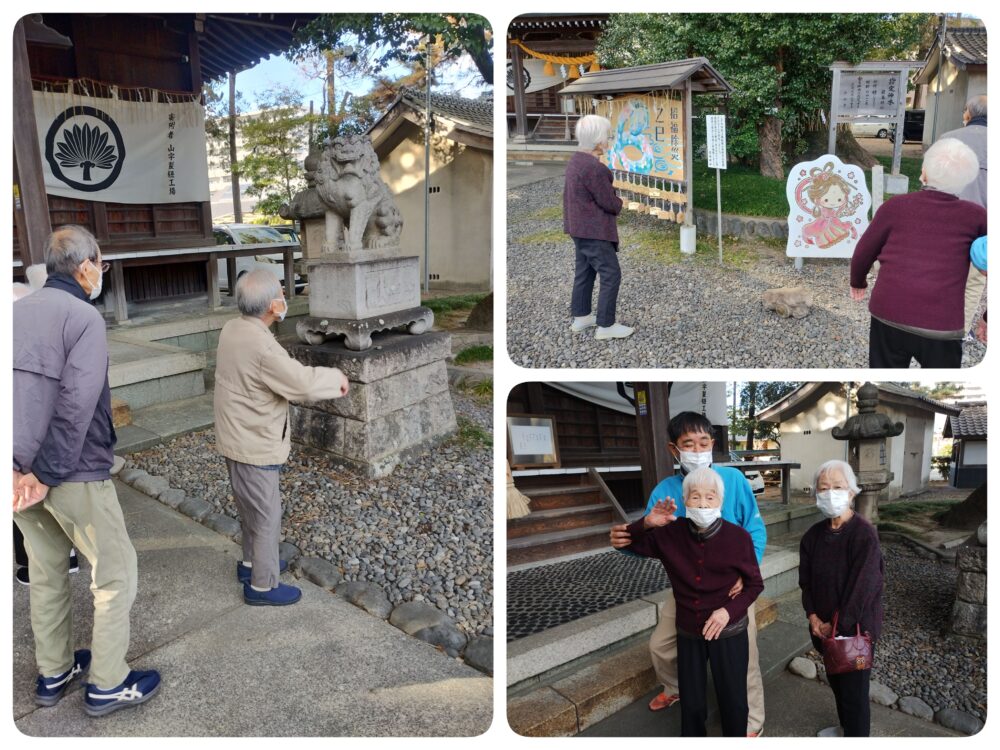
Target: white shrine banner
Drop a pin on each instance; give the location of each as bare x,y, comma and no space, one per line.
828,208
535,77
106,149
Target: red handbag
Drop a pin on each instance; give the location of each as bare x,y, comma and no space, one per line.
850,654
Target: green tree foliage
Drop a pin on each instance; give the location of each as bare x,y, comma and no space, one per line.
777,64
216,94
937,391
397,37
753,397
276,139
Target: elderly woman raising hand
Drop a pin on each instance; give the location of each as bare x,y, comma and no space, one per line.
703,555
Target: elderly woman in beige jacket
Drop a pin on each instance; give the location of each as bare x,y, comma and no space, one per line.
255,378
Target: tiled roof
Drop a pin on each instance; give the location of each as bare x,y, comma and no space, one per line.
971,423
899,390
966,46
477,113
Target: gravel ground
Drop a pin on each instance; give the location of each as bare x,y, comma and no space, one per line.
691,313
913,657
423,533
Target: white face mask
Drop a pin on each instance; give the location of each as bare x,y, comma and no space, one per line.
96,291
704,517
691,460
833,503
283,313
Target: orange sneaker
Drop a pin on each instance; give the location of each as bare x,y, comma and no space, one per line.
663,701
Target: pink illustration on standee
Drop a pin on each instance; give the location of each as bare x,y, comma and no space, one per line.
828,193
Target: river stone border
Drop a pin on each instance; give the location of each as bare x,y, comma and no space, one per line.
417,619
733,225
951,718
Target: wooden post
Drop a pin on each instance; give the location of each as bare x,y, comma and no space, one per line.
831,142
689,153
289,273
234,177
212,277
231,276
897,142
118,291
31,188
878,187
652,415
520,116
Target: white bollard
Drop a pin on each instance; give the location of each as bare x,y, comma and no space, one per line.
688,237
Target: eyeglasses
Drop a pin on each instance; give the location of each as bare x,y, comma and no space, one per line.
105,267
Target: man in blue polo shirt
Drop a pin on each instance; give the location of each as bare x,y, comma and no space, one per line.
691,444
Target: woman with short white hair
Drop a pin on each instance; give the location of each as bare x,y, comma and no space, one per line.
841,574
703,555
921,241
590,210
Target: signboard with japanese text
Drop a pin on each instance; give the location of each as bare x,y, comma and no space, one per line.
863,93
716,127
531,441
647,135
116,151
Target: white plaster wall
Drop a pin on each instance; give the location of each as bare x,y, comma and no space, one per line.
819,446
975,453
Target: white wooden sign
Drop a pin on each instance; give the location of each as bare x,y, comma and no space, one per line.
828,208
716,125
532,439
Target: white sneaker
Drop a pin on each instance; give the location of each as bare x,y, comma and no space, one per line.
582,324
617,331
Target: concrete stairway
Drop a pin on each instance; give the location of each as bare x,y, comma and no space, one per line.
569,515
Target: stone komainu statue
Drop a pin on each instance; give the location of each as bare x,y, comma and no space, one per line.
360,208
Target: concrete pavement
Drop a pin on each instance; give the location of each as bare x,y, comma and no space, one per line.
524,173
321,667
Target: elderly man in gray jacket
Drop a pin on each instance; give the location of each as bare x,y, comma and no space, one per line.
63,494
973,135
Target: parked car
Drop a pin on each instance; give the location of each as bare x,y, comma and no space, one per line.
289,230
913,126
753,476
253,234
870,129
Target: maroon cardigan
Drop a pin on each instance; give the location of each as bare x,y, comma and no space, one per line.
921,241
589,201
702,570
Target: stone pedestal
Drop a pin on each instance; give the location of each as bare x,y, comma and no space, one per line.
398,402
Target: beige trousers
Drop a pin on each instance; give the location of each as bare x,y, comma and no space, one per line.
974,288
85,515
663,650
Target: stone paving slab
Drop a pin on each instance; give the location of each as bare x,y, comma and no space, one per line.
321,667
177,417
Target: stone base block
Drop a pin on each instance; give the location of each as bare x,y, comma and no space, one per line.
397,405
358,333
365,289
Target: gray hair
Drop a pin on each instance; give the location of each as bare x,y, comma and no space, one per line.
950,165
701,477
837,465
255,291
976,106
591,130
68,247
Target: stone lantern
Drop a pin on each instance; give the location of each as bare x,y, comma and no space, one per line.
866,433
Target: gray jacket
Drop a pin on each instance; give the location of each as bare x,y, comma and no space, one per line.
973,135
62,400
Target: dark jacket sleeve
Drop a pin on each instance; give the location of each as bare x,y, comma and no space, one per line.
864,582
753,584
805,574
643,540
869,246
80,385
600,184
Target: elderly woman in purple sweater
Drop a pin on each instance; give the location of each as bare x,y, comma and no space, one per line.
921,241
590,208
841,572
704,556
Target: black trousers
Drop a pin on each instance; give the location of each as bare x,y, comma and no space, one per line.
728,657
593,258
850,690
894,347
20,555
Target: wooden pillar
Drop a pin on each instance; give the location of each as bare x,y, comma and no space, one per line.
689,153
231,276
289,256
31,185
652,415
118,291
520,106
212,277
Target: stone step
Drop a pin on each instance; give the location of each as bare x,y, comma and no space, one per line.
559,519
562,497
144,373
557,544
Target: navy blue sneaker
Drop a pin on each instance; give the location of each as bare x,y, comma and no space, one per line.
49,690
243,571
279,596
137,688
